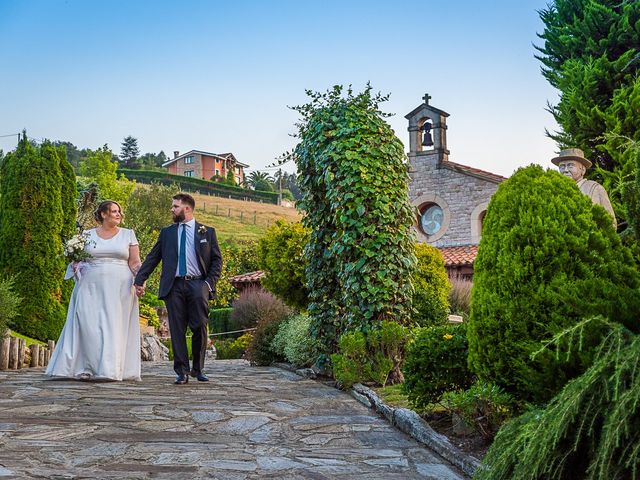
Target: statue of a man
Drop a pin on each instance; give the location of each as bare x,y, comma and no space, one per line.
572,163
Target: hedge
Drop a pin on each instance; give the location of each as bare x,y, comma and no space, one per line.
198,185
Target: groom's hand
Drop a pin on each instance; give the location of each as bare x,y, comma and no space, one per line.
139,290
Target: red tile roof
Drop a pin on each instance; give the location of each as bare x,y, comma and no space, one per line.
454,256
250,277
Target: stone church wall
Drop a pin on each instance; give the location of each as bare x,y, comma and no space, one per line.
463,198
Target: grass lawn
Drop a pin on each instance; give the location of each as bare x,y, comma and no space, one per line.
393,395
240,220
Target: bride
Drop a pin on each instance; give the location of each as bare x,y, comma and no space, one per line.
101,336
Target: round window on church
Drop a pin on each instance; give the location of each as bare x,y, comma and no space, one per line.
431,219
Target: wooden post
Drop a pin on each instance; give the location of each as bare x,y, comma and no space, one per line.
35,355
4,353
229,213
13,353
41,359
52,345
241,213
22,345
47,356
216,208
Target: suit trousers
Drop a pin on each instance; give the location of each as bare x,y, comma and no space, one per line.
188,306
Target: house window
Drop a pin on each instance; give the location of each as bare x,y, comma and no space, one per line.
188,173
217,172
188,159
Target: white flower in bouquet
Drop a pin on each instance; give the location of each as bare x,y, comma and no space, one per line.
74,248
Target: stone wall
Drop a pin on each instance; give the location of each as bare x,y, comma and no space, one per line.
463,198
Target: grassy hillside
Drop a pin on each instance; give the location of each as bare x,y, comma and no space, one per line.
238,219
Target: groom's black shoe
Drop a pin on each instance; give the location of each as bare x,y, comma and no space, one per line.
200,376
182,379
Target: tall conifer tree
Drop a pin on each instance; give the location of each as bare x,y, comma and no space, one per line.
32,226
591,54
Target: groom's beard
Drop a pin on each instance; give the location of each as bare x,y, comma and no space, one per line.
178,218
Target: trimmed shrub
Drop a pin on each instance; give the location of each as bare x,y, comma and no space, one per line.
547,259
281,256
431,287
436,362
190,184
293,341
372,357
483,407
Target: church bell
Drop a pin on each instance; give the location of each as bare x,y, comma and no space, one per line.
427,141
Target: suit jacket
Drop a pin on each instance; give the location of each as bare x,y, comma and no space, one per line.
166,250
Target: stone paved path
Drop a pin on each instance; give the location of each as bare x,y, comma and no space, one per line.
247,423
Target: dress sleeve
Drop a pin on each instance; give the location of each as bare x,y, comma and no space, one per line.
132,238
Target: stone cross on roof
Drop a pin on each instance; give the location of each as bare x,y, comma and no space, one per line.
426,98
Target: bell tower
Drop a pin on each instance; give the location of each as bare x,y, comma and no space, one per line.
428,133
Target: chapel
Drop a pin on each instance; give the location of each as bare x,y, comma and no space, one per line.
451,199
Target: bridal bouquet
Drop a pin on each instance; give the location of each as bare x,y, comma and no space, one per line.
74,248
75,253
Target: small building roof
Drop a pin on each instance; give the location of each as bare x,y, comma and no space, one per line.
459,256
250,277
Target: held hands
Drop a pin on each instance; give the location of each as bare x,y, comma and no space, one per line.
139,290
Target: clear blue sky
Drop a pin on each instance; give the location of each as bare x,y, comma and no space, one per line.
218,76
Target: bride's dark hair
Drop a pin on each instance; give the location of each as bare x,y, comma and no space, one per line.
104,208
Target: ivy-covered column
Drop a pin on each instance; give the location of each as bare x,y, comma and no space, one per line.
353,177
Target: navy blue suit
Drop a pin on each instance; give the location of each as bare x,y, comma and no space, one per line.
187,300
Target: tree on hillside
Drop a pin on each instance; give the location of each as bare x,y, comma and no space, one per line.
100,167
591,54
32,228
260,181
361,250
152,160
129,152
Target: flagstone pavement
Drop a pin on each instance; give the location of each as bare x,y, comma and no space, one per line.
246,423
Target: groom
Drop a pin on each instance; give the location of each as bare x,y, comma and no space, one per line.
191,266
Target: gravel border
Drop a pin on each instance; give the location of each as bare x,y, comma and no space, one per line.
405,420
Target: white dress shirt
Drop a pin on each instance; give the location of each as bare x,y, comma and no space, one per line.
192,260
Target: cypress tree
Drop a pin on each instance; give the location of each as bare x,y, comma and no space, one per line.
591,54
31,230
547,259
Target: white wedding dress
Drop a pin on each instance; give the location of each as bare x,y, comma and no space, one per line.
101,336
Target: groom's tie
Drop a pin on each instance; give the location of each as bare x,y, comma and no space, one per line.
182,252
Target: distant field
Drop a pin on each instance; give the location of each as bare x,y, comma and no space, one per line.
238,219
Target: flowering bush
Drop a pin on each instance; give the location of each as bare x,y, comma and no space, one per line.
436,362
74,248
